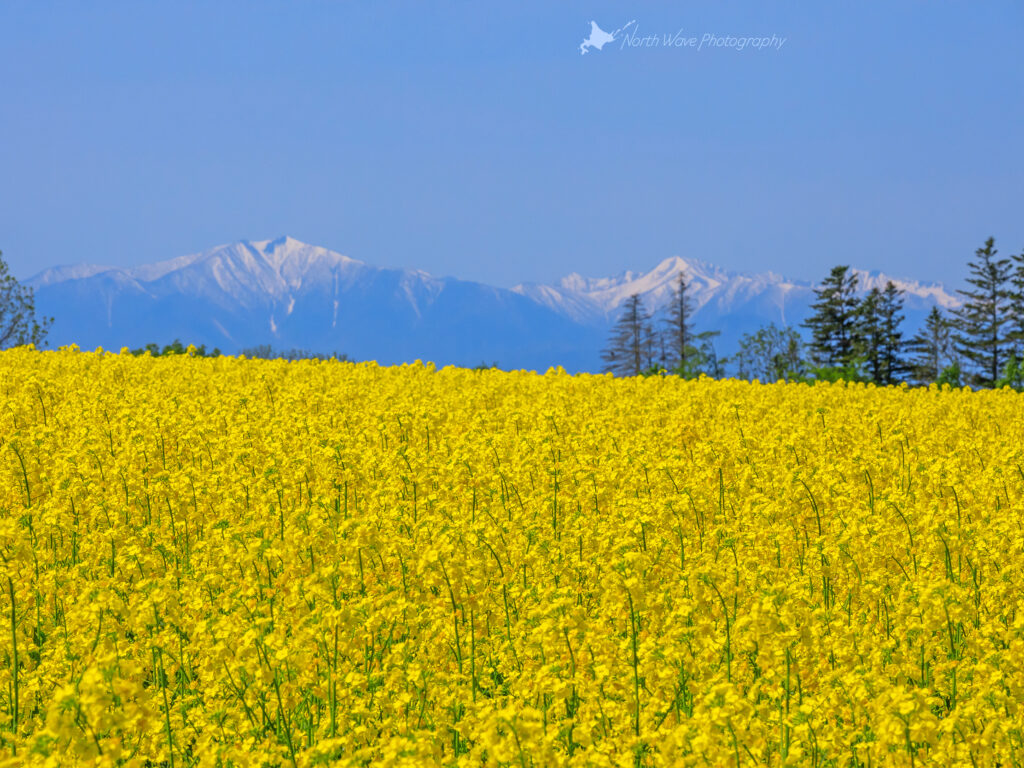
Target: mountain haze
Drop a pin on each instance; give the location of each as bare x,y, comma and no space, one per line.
290,294
733,303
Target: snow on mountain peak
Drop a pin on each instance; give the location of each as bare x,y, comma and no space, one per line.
255,257
246,271
286,281
936,292
59,274
287,250
722,291
595,300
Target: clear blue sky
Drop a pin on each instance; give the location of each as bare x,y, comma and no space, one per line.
474,140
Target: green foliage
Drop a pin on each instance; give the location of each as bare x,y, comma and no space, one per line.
852,338
892,366
1013,374
267,352
18,322
983,322
853,370
631,346
868,333
654,370
856,339
176,348
636,348
835,320
950,375
701,358
683,346
771,354
1015,329
932,348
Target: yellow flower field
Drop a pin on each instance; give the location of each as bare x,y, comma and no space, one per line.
232,562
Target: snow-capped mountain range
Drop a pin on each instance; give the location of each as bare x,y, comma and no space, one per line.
293,295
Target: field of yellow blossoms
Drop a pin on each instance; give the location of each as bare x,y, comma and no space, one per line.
238,562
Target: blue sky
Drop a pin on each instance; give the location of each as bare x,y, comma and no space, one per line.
473,139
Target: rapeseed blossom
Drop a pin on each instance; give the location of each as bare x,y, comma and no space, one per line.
238,562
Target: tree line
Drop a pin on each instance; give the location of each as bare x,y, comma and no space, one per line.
259,352
850,336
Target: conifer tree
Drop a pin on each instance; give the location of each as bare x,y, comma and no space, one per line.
868,334
1016,326
931,349
628,346
688,352
834,322
679,326
893,365
983,322
654,350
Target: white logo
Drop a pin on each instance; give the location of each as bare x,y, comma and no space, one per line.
598,37
629,36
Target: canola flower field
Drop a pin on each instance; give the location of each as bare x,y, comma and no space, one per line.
239,562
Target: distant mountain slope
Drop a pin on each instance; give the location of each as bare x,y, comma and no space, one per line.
733,303
290,294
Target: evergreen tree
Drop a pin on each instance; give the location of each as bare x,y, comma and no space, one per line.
654,350
688,353
1016,326
868,334
983,322
18,322
931,348
893,365
679,326
628,345
663,357
834,322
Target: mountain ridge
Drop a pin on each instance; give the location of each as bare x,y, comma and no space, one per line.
292,294
594,300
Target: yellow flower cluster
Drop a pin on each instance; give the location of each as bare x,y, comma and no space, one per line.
239,562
